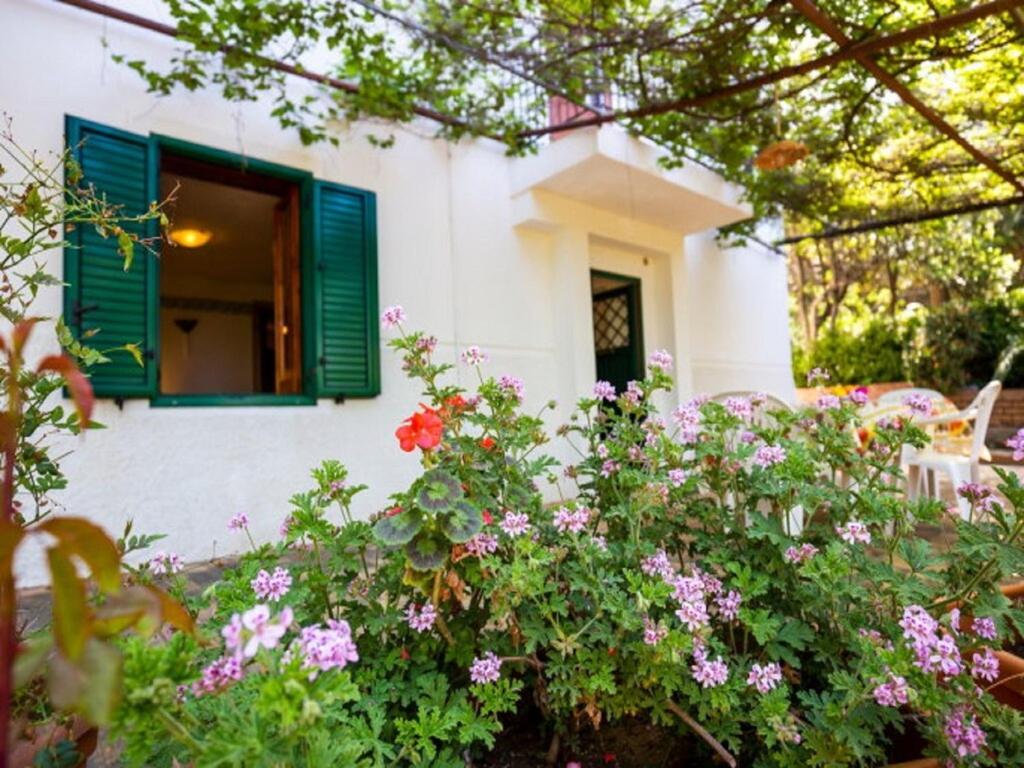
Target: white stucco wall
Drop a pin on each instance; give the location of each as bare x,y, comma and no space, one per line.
471,259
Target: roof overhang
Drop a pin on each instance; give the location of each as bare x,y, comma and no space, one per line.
607,169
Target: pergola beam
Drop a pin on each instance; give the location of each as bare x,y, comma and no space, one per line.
848,50
826,24
911,218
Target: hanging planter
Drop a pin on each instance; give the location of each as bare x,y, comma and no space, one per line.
781,154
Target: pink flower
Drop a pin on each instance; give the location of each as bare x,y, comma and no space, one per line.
610,467
829,403
485,669
654,632
854,533
244,635
426,344
571,520
984,627
239,521
1017,444
473,355
979,496
799,554
482,544
676,477
765,678
739,407
422,618
693,615
963,734
769,455
918,404
658,564
918,625
218,675
710,674
817,375
273,586
729,605
893,693
392,316
985,665
513,385
634,393
515,524
859,396
604,391
660,359
166,563
327,648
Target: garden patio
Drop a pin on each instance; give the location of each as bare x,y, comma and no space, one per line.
474,384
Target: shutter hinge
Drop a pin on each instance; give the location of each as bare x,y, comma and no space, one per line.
149,354
119,402
339,399
79,311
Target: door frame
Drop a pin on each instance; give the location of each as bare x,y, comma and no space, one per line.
636,319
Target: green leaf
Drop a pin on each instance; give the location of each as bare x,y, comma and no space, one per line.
90,686
462,523
439,491
427,551
80,538
398,529
70,610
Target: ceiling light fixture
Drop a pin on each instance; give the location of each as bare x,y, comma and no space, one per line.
191,238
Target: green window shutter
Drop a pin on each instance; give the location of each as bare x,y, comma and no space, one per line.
105,306
345,291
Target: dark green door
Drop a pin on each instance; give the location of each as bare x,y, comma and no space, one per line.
618,341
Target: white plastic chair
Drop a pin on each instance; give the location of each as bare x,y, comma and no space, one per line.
896,396
922,466
794,523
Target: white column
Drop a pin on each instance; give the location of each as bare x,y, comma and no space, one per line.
573,321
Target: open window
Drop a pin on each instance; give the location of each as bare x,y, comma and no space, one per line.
267,297
230,295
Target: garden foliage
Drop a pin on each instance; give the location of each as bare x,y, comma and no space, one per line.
673,582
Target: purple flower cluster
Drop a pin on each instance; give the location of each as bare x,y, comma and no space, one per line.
634,394
166,563
739,407
610,467
935,652
980,496
985,665
660,359
963,734
271,586
677,477
604,391
918,404
687,417
658,564
426,344
473,355
392,316
245,634
894,692
769,455
984,627
729,605
421,618
765,678
817,375
218,675
829,402
859,396
709,674
329,647
654,632
515,524
482,544
799,554
571,520
239,521
1017,444
854,532
513,385
485,669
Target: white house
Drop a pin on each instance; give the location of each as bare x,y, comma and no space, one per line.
263,353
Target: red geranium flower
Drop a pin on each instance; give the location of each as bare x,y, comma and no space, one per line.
488,517
487,443
422,429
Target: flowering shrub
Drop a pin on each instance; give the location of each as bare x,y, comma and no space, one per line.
752,578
